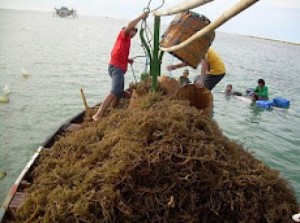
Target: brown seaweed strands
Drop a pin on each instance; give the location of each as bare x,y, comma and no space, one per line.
161,162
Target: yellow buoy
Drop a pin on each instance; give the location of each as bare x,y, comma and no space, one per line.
2,175
6,90
4,99
25,73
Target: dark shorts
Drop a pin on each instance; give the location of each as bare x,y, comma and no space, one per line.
260,98
117,77
210,81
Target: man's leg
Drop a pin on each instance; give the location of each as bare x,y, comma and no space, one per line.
121,92
210,81
262,98
105,104
115,103
117,77
127,94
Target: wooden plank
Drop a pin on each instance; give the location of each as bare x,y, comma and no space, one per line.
17,200
14,188
2,214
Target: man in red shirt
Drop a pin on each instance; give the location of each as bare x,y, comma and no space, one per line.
118,64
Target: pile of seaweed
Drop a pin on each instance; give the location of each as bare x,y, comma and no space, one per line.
161,162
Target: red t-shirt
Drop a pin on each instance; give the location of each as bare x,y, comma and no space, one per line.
120,51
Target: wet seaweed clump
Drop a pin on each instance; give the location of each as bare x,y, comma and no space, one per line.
161,162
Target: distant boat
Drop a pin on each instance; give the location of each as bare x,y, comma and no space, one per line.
65,12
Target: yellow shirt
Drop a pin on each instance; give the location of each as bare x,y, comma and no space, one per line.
216,64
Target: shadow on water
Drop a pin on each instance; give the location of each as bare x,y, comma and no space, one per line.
255,113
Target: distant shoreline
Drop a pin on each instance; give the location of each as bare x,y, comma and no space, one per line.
274,40
261,38
107,17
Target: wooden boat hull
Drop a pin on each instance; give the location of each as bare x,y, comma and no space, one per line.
16,193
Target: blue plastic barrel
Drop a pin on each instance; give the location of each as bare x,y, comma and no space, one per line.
264,104
281,102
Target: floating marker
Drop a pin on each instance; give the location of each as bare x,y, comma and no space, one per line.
2,175
4,99
6,90
25,73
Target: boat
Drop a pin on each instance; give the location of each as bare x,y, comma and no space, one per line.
17,192
204,128
24,181
173,112
65,12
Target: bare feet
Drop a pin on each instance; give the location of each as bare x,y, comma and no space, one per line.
104,105
95,117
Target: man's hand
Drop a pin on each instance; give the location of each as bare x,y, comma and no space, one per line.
170,67
144,15
130,61
199,83
176,66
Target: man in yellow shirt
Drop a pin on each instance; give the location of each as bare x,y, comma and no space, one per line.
212,71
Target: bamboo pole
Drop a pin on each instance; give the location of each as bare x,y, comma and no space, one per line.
230,13
83,99
184,6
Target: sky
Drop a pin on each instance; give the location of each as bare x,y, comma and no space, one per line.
273,19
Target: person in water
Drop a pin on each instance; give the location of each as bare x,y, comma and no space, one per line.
261,91
118,65
212,70
183,79
228,91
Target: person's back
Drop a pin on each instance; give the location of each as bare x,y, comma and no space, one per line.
120,51
212,70
216,64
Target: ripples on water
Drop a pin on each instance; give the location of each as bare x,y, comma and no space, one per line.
64,55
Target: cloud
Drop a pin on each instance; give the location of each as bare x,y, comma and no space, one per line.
284,4
264,18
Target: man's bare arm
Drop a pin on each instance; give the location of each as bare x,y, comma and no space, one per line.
131,25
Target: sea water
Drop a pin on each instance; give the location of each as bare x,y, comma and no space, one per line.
61,56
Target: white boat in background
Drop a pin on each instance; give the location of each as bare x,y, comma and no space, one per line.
65,12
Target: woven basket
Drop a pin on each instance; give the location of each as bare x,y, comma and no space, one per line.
181,28
201,98
169,85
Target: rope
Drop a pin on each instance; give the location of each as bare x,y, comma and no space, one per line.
148,6
133,73
148,33
144,24
148,37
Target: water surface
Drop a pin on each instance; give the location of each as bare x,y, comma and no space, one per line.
64,55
